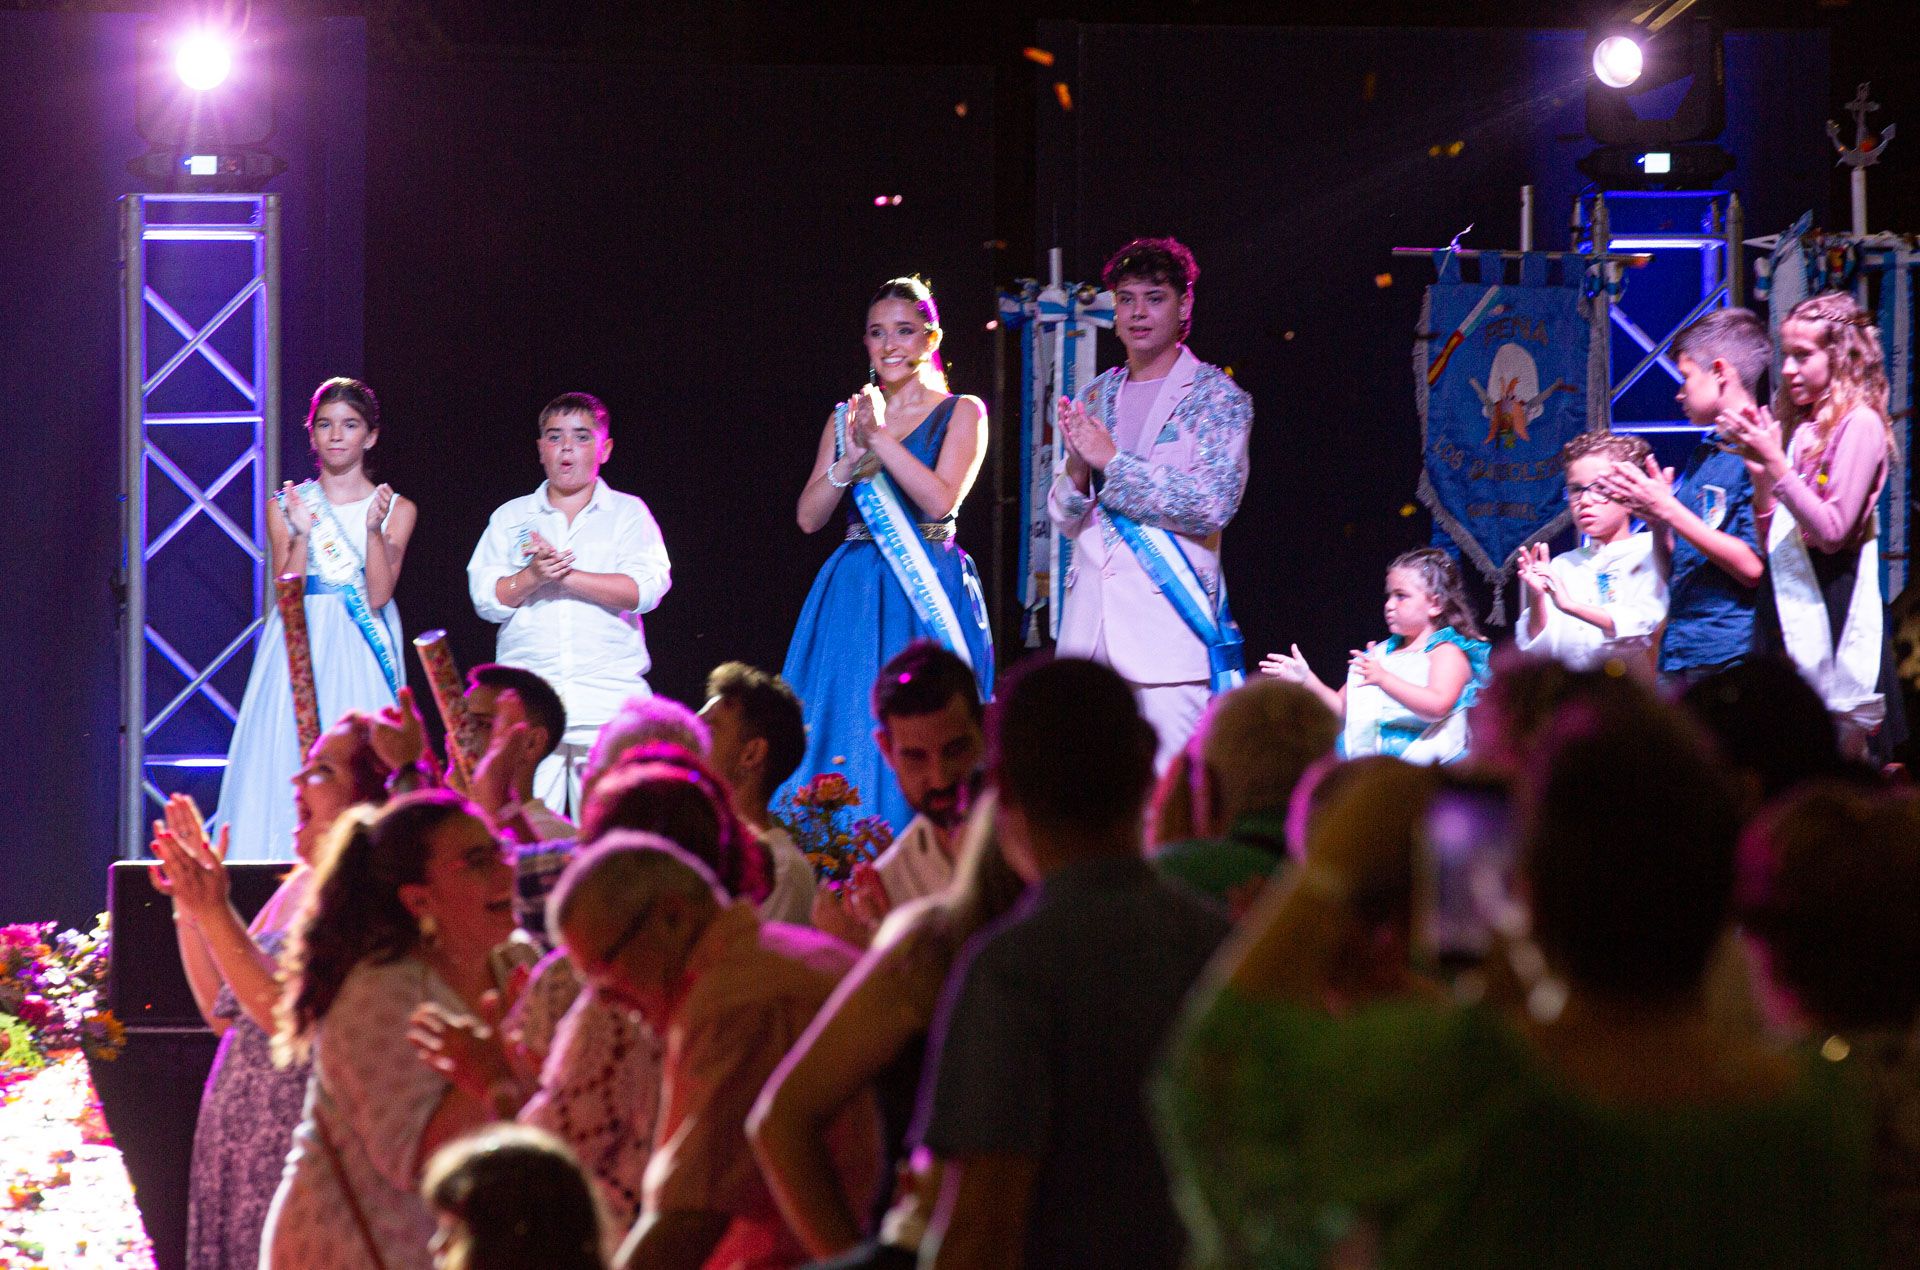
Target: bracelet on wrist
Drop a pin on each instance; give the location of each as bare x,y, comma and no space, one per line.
837,484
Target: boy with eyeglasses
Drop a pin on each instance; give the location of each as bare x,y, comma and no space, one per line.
1603,601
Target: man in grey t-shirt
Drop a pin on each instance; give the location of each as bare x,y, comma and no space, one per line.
1053,1016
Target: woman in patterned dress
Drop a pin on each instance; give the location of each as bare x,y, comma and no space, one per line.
249,1107
407,907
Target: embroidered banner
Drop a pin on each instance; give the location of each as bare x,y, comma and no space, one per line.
1502,377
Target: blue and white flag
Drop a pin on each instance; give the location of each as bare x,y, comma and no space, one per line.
1502,376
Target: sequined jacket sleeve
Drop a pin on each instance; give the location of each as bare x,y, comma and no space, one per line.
1199,498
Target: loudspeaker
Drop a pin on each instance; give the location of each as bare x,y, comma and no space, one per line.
146,987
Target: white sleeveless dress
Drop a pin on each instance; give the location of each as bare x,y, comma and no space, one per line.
256,794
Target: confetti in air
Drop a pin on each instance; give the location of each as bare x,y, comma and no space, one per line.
960,108
886,200
1038,56
1065,94
1407,509
1383,280
1287,335
1370,86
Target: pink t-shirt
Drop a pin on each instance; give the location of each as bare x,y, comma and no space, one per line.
1838,512
1136,403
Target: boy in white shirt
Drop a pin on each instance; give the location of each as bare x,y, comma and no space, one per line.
1605,600
567,571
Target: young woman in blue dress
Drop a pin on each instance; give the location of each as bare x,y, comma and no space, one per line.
907,429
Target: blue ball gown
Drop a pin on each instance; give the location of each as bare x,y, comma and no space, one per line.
855,619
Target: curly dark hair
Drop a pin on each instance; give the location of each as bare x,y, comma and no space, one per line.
1623,447
353,913
1163,260
661,788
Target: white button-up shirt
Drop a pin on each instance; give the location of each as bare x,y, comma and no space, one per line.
594,657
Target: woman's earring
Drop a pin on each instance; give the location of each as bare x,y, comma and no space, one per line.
873,376
429,929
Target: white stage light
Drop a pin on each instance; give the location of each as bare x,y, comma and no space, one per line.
1618,61
203,61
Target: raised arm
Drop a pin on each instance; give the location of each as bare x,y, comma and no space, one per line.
197,870
390,522
1649,494
939,490
1831,513
882,1006
820,495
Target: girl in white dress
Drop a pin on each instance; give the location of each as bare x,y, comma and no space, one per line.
348,536
1408,695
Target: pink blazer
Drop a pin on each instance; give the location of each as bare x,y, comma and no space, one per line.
1188,480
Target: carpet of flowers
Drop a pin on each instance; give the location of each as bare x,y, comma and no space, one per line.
67,1201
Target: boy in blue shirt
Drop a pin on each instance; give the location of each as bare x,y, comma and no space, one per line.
1704,523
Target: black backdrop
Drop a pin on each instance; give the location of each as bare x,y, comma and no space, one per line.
1292,161
697,248
66,135
696,244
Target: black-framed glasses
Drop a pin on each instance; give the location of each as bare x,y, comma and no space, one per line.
1580,493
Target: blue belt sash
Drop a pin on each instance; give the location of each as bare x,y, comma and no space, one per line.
1213,624
898,537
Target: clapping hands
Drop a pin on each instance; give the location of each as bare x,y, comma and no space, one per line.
549,563
1087,438
299,516
867,417
1646,492
1754,434
1535,574
193,871
474,1052
507,766
397,734
1366,664
377,510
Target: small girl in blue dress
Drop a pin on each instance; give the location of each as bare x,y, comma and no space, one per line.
1409,695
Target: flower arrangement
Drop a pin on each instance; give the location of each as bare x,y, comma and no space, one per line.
820,816
51,996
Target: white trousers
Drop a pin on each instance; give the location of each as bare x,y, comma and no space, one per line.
1174,710
556,782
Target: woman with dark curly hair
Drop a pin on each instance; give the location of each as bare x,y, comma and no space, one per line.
407,907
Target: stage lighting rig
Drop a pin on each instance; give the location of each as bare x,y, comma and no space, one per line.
203,100
1657,93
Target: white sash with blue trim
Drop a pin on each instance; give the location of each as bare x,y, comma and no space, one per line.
339,565
898,537
1158,552
1846,677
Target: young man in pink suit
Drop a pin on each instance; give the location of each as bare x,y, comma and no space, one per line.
1160,442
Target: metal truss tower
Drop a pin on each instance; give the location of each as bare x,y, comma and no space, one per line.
200,419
